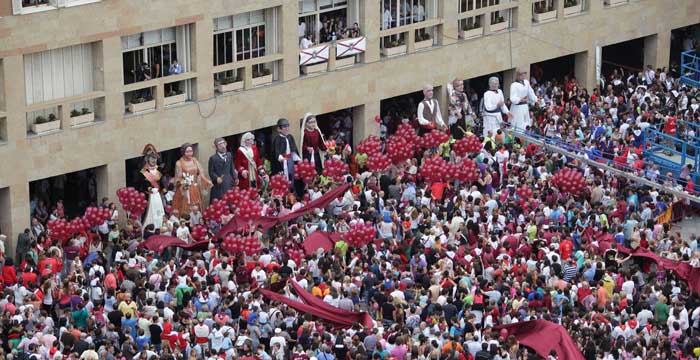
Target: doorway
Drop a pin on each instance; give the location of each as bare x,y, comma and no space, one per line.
78,190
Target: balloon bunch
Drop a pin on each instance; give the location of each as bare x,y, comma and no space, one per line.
378,162
360,234
132,200
399,149
279,185
235,244
569,181
532,149
466,171
216,210
235,196
524,192
370,146
249,210
296,254
199,232
335,169
305,170
408,133
62,230
435,169
96,215
467,145
434,138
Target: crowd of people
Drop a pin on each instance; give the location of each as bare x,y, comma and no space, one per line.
451,261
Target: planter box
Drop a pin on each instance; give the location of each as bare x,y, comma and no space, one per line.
234,86
419,45
499,26
82,119
468,34
615,2
345,62
315,68
262,80
545,16
46,127
144,106
573,10
393,51
175,99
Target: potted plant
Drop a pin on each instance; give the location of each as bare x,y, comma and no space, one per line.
499,24
423,41
262,77
544,12
230,83
471,31
140,104
394,47
173,97
572,7
83,116
615,2
42,124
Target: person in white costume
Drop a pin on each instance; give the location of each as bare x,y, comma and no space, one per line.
521,95
494,107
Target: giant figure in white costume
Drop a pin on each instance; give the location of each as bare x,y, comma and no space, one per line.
494,107
521,95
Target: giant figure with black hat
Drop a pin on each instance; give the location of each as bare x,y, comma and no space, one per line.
284,151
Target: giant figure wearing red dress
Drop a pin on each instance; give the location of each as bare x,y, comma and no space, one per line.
248,162
312,142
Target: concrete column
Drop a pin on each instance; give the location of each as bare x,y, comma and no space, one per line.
289,40
509,77
449,31
5,217
203,58
111,178
19,215
559,5
363,123
584,69
657,49
113,81
370,26
15,100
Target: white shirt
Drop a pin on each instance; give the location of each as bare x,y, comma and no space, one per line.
305,43
491,100
434,108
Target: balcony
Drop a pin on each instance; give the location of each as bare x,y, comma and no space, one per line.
544,11
330,56
24,7
573,7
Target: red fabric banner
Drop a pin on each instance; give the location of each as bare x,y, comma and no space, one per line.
362,318
318,240
158,243
683,270
236,225
543,336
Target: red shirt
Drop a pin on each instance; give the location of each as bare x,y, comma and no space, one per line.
566,248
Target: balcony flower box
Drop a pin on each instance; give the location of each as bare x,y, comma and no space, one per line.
262,80
394,50
471,33
83,118
136,107
175,99
315,68
615,2
573,10
43,126
228,87
545,16
499,26
344,62
423,44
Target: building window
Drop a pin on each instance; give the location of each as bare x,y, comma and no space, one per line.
32,6
322,21
150,54
395,13
59,73
243,36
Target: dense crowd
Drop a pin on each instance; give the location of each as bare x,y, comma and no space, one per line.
452,261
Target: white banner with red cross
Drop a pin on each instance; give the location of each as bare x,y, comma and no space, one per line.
314,55
347,47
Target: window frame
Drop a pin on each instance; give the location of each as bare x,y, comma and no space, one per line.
430,9
145,52
336,5
234,31
18,8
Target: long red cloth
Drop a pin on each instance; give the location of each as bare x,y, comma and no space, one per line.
158,243
236,225
683,270
335,317
318,240
543,336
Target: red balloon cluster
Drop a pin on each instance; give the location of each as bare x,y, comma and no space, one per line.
399,149
467,145
216,210
305,170
199,232
360,234
408,133
466,171
249,209
370,146
532,149
378,162
236,195
234,244
569,181
97,215
132,200
436,169
335,169
434,138
296,254
524,192
279,185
